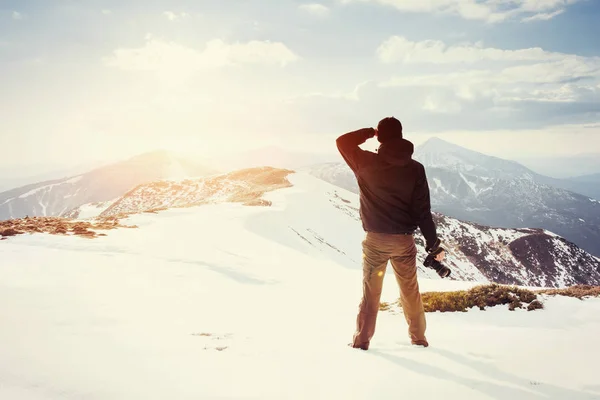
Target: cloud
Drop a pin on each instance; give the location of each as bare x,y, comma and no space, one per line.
439,104
492,11
558,81
171,59
106,12
17,15
172,16
470,87
543,16
399,49
318,10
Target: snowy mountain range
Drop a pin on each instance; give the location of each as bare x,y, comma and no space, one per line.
59,196
324,219
472,186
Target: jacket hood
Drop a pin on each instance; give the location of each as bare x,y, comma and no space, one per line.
396,152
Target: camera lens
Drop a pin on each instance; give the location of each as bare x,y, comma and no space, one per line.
443,272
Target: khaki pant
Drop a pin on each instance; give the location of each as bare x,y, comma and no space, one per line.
378,249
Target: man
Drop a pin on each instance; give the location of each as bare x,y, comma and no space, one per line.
394,202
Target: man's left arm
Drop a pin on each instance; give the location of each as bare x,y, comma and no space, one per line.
349,147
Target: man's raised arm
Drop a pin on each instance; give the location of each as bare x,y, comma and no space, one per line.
348,146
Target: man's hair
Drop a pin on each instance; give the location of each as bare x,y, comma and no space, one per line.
388,129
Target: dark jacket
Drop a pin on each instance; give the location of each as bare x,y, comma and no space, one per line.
394,193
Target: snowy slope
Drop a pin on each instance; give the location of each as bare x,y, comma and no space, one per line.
325,219
531,257
63,196
227,301
88,210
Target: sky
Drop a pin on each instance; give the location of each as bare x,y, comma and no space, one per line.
95,80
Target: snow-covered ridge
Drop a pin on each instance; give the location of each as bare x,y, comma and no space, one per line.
530,257
321,217
245,186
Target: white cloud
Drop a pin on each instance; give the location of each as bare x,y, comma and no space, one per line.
106,12
439,104
399,49
536,83
318,10
17,15
485,10
172,16
470,86
171,59
543,16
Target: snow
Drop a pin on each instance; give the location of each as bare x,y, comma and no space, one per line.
472,185
74,180
226,301
48,187
550,233
89,211
439,185
42,206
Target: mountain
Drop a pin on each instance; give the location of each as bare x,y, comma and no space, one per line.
230,301
532,257
472,186
563,167
22,175
59,196
438,153
588,185
593,179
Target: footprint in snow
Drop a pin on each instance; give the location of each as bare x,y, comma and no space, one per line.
214,341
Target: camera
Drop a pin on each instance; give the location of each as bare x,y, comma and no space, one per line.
431,262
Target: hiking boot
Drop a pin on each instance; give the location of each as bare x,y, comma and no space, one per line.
362,347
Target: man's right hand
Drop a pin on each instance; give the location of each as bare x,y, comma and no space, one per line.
440,256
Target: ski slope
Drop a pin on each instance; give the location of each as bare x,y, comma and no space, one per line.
225,301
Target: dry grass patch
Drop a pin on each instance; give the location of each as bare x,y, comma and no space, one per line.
57,226
482,296
492,295
578,291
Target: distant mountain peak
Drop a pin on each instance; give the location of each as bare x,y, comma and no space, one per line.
437,141
439,153
439,145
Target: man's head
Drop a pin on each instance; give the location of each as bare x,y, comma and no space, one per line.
388,129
